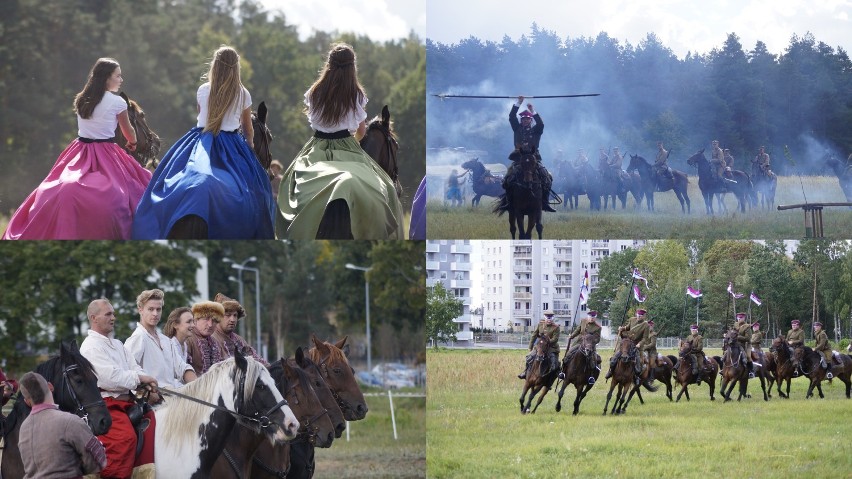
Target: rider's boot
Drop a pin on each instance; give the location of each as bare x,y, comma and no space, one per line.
696,372
612,362
828,374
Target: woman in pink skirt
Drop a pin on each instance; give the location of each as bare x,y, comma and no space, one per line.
92,190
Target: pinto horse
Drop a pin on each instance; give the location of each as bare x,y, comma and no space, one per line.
684,376
582,370
380,143
648,183
315,427
191,436
147,141
484,183
733,369
784,368
709,185
75,390
524,200
622,376
540,376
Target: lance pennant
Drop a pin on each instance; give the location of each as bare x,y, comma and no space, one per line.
446,95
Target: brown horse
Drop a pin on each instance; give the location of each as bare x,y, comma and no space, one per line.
262,137
315,427
582,370
623,375
380,143
484,183
540,376
662,372
784,369
147,142
75,390
524,199
684,376
811,367
678,184
733,369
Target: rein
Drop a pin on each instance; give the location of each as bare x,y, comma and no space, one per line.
82,409
262,421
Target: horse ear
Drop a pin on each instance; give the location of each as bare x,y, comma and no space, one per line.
240,361
702,151
341,343
345,350
316,341
261,112
385,115
300,356
126,100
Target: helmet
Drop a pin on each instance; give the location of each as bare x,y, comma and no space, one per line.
525,114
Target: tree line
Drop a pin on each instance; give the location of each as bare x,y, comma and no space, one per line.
304,288
48,47
814,283
797,103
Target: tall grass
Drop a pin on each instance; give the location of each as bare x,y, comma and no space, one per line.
475,429
666,221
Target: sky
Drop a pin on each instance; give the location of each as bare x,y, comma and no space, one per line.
683,26
380,20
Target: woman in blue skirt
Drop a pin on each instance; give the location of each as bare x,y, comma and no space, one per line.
210,183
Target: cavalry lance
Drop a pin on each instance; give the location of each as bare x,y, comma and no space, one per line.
443,96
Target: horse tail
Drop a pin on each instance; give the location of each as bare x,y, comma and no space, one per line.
501,205
650,387
719,361
673,359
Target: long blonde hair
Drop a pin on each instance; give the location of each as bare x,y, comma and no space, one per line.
337,90
225,86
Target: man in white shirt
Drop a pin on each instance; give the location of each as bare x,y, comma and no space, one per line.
118,374
151,349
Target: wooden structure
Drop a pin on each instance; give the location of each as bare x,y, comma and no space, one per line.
813,216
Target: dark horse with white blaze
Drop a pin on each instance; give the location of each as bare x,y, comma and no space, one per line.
648,183
581,370
75,390
147,141
741,186
524,199
484,183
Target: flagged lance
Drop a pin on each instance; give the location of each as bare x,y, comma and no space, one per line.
693,293
638,294
447,95
732,293
638,275
753,297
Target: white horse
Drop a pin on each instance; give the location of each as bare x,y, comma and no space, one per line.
191,436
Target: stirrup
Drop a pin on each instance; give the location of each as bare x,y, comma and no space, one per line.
750,375
592,380
829,376
561,375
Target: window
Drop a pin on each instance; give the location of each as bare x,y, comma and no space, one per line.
547,277
517,305
443,275
545,290
545,306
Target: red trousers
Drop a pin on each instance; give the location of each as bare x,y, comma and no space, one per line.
120,441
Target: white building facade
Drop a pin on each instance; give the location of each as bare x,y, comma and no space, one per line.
449,262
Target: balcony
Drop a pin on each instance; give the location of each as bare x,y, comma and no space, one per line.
522,295
461,248
433,266
521,312
600,245
460,266
432,247
460,283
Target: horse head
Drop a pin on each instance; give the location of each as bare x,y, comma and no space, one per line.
257,398
323,392
147,141
295,386
380,143
626,347
685,348
262,136
528,168
335,368
474,165
697,159
636,162
76,387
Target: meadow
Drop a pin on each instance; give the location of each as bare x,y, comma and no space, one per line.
666,221
371,451
475,429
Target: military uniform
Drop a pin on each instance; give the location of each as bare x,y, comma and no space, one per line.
717,157
551,332
756,341
729,160
582,160
744,338
615,164
697,353
823,347
661,165
796,339
586,326
762,160
527,140
650,348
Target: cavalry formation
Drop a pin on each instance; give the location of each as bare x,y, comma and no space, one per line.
782,364
237,420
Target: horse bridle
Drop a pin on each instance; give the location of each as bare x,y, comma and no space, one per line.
389,142
82,409
307,428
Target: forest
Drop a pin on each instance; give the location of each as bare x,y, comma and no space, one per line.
812,283
798,103
47,48
305,289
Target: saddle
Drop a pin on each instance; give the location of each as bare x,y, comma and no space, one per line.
140,423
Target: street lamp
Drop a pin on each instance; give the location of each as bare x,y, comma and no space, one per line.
367,301
242,323
240,281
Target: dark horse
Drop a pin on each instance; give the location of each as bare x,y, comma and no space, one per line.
684,376
734,369
484,183
524,200
784,368
622,376
662,372
540,376
75,389
147,142
764,185
571,182
648,183
843,174
710,185
381,144
809,361
581,370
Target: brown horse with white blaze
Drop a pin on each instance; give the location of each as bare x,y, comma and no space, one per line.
540,377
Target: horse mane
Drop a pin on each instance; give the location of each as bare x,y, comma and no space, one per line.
376,122
335,354
180,426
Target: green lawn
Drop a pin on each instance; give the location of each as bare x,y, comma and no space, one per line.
475,429
666,221
371,451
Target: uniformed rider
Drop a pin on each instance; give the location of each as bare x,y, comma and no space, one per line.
549,329
527,135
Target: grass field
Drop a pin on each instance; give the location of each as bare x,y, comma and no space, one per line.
666,221
475,429
371,451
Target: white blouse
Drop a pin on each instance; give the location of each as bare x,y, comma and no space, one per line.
231,121
350,122
104,118
162,361
117,371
